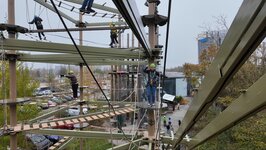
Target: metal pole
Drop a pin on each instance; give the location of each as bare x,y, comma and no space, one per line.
81,142
12,71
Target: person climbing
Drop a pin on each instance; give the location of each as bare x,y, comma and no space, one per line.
164,121
74,83
86,6
113,35
38,22
151,83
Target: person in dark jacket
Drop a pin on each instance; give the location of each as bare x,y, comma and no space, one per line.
113,35
38,22
151,83
74,83
86,6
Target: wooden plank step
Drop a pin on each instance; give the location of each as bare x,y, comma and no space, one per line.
88,118
100,116
130,109
82,120
44,125
106,115
94,117
26,127
117,112
57,144
52,148
126,110
60,123
75,121
36,126
112,114
53,124
122,112
18,128
68,122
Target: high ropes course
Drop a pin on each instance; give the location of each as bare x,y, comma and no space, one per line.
245,34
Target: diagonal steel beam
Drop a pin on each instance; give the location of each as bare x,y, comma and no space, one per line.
97,6
129,11
42,2
82,134
250,102
244,35
25,45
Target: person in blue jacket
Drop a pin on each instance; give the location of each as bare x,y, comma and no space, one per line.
151,85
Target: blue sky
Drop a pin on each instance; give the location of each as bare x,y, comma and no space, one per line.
187,17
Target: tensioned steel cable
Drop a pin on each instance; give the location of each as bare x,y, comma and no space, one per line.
85,62
165,57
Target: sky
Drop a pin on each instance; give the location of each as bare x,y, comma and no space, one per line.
187,19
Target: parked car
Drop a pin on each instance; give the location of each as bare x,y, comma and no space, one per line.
74,111
44,105
65,126
51,103
38,141
53,138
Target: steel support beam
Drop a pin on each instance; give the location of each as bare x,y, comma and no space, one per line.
126,145
250,102
42,57
42,2
129,11
82,134
25,45
78,61
243,37
97,6
80,29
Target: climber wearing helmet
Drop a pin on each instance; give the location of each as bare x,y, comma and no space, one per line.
151,82
113,35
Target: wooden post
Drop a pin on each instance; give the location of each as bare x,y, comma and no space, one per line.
152,40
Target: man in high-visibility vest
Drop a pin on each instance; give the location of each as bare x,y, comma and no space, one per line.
113,35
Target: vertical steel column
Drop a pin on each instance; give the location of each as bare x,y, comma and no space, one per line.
12,71
81,83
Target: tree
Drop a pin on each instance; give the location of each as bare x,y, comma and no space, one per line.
25,83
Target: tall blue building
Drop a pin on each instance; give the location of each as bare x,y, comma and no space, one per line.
208,39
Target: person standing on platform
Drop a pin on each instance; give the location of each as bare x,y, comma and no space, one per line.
74,83
151,83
